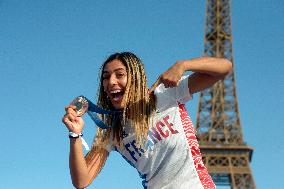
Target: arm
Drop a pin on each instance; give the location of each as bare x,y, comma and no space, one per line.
207,71
83,170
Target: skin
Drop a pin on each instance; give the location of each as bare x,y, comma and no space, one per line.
207,71
114,79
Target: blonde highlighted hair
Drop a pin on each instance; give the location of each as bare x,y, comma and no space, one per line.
139,105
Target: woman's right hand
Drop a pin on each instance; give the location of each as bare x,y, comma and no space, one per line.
73,122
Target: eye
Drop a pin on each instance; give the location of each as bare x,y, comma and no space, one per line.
120,75
105,76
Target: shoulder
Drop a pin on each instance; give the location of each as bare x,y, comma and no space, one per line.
169,96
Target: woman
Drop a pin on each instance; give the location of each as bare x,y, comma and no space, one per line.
154,133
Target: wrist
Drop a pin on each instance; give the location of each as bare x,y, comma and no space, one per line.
74,135
182,65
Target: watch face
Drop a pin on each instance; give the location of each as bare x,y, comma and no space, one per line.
81,104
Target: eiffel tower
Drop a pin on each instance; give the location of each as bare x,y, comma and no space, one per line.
225,154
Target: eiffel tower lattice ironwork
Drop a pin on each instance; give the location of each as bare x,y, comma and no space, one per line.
225,154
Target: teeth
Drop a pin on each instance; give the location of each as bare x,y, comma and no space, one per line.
115,91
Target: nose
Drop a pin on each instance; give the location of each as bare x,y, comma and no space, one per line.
112,79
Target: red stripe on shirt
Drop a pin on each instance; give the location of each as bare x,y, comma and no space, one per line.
189,130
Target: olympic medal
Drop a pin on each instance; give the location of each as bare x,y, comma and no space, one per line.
81,104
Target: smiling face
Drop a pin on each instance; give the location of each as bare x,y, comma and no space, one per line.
123,85
114,82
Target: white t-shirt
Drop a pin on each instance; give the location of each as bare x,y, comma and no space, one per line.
171,158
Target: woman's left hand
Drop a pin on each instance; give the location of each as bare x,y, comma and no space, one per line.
171,77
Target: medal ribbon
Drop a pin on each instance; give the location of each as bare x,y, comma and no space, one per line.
93,110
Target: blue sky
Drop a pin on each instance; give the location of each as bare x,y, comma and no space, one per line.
51,51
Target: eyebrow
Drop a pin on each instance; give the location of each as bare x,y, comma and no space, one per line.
118,69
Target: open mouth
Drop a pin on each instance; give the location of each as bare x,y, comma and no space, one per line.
117,95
